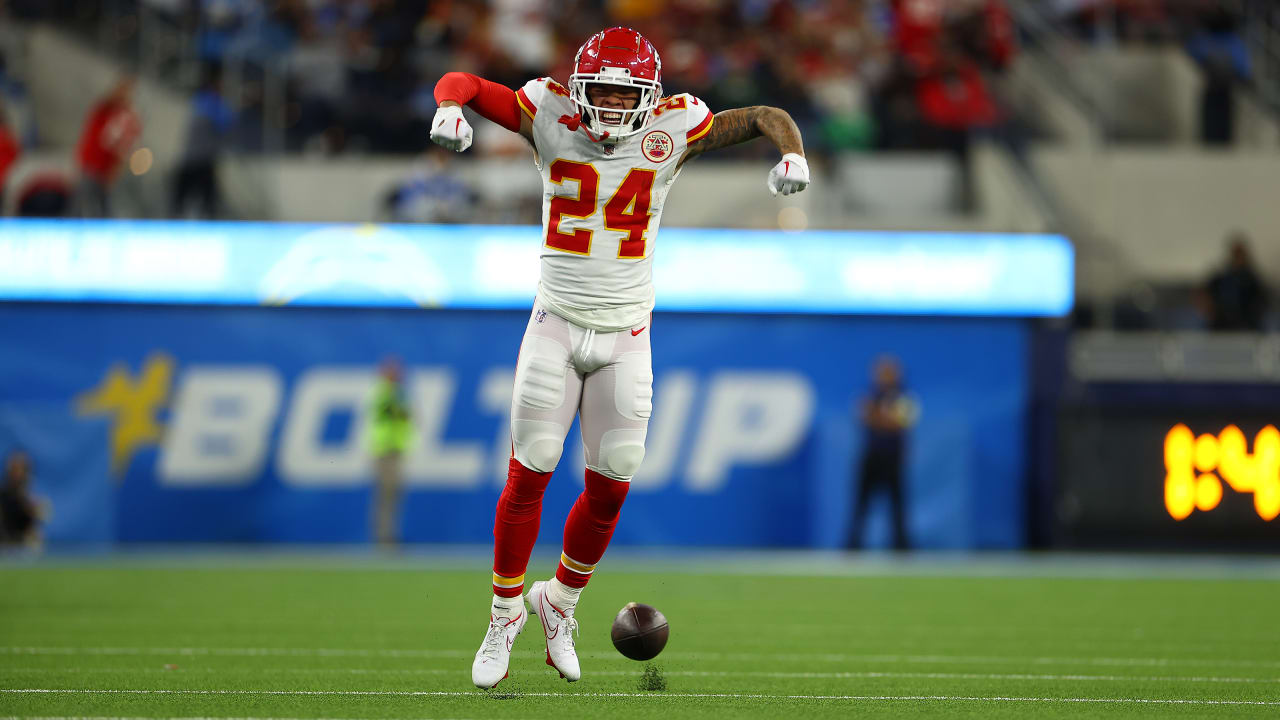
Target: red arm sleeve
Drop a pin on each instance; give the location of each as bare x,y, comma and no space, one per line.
494,102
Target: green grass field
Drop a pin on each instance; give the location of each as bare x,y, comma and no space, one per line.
352,638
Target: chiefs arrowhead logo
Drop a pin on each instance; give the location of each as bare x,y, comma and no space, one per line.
657,146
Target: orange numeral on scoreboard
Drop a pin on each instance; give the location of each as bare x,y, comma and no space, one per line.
627,210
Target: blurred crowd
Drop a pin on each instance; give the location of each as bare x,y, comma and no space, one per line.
1144,21
335,76
1209,30
358,75
360,72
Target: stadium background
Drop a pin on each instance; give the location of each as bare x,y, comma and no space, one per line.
1058,215
1143,131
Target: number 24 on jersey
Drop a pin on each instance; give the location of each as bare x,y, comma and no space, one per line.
626,212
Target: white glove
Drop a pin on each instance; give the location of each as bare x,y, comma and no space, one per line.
450,129
791,175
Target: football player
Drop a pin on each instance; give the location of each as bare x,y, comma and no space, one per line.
609,147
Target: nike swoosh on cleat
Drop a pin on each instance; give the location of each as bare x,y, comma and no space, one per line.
637,332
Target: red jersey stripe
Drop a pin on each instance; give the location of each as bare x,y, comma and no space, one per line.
703,128
525,104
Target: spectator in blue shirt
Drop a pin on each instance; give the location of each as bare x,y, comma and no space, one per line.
1221,52
1235,298
431,194
887,413
197,177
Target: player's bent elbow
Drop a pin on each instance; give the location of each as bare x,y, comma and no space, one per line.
780,115
457,87
454,77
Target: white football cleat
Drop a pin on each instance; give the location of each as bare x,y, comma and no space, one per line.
559,627
494,655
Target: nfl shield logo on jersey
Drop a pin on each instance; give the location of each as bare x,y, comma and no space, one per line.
657,146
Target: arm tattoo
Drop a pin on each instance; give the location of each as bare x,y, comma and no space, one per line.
739,125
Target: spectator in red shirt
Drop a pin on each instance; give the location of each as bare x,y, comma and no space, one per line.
110,131
956,97
954,102
9,152
917,29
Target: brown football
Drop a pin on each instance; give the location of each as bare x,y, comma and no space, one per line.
640,631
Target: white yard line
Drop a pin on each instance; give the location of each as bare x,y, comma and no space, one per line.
786,657
812,563
208,718
675,673
243,652
725,696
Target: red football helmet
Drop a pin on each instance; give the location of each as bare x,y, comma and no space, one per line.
617,56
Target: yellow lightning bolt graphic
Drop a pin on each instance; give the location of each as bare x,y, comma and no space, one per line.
133,403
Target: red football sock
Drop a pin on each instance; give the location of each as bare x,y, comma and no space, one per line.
589,528
515,528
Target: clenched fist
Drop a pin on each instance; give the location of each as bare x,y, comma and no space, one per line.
450,129
791,175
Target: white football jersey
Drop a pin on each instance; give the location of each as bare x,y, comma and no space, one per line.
602,205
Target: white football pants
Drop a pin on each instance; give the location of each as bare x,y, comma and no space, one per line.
607,378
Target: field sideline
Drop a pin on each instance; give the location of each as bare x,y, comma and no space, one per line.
353,635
